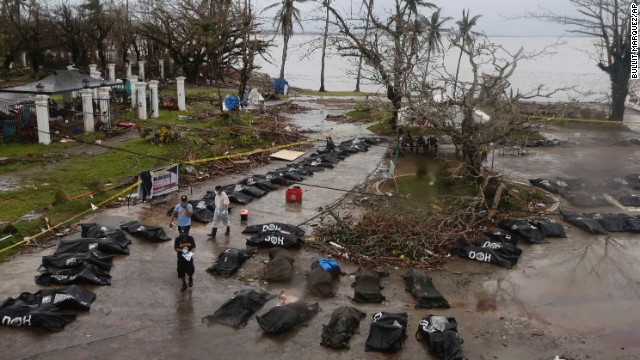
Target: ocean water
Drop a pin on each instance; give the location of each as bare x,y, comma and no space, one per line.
567,65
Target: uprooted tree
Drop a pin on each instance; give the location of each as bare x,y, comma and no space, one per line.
487,88
608,22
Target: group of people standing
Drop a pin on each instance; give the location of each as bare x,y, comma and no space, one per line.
185,244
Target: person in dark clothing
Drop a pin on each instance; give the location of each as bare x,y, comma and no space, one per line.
185,246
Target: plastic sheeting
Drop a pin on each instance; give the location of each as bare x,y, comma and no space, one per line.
229,261
387,332
421,287
236,311
148,232
441,335
283,318
367,287
344,322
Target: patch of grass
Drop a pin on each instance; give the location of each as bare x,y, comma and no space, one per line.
381,128
19,149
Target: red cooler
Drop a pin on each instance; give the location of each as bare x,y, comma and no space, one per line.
294,194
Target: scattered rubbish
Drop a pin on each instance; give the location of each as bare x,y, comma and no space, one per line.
31,215
288,155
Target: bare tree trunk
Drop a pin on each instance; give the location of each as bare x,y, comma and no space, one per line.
455,83
324,46
366,32
284,60
619,75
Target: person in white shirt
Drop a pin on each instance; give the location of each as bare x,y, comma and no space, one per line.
221,215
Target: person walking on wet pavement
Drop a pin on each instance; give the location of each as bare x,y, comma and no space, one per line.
183,211
185,246
221,215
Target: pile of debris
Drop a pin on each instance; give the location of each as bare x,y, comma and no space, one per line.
397,231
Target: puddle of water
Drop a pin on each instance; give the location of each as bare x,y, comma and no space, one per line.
433,183
591,287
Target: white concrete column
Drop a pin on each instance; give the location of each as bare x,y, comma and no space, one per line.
105,109
92,70
24,60
112,72
161,64
87,109
141,70
42,115
128,75
133,81
155,104
181,93
142,100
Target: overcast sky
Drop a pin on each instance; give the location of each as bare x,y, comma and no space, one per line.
492,22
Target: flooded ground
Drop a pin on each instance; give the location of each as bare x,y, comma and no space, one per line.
576,298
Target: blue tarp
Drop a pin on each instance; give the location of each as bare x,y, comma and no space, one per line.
231,102
279,90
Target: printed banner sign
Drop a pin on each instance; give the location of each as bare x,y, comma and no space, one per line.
161,183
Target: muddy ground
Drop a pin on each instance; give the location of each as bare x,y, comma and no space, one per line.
576,298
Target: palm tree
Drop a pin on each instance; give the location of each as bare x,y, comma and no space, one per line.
285,17
435,28
464,31
326,4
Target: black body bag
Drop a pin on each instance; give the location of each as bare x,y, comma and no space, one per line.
71,260
229,261
548,227
16,312
283,318
523,230
99,231
71,297
422,288
104,245
506,255
280,266
236,311
367,287
272,227
151,233
589,225
441,335
344,321
387,332
276,239
87,274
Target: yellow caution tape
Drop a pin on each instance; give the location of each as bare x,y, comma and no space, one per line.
130,187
